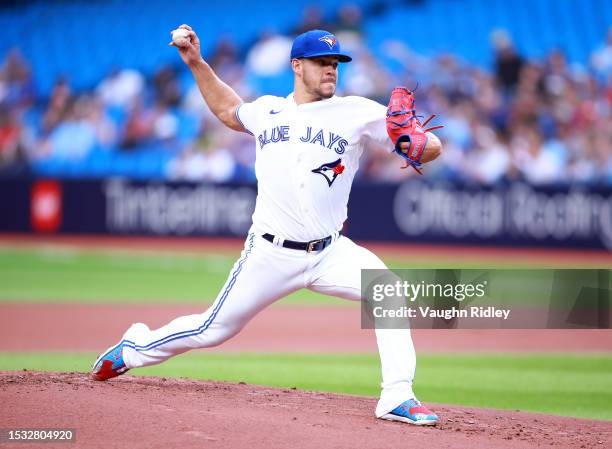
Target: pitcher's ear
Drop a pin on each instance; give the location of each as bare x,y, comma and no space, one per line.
296,65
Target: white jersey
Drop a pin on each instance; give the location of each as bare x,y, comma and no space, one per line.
307,157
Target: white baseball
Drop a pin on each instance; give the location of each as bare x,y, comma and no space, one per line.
180,37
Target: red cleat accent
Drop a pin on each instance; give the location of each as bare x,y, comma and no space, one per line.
106,371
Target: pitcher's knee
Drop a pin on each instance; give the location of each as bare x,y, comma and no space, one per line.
217,336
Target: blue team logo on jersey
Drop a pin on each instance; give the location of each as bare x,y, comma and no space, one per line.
330,171
329,40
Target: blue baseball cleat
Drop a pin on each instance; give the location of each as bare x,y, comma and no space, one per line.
412,412
110,364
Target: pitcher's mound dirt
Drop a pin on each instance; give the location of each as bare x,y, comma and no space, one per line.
141,412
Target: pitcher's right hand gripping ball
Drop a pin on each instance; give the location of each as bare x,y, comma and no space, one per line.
404,127
187,43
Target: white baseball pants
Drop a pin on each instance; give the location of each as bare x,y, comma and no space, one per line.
265,273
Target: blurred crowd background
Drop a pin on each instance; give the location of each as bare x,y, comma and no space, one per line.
91,89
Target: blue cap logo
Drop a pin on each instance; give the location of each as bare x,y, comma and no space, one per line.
314,43
329,40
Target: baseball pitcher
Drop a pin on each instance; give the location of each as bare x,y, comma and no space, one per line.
307,146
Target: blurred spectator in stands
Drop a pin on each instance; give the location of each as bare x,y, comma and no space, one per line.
138,126
457,124
312,19
244,156
208,159
166,85
446,75
189,165
193,103
365,77
538,163
489,101
590,106
602,152
74,137
13,146
531,79
165,124
150,126
406,66
268,67
16,87
486,96
583,164
489,161
270,55
508,63
526,107
556,74
121,88
601,59
225,60
349,19
9,136
58,106
105,128
349,29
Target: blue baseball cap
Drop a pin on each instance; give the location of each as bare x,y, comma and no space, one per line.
315,43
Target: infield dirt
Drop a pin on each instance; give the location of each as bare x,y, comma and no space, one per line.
141,412
90,327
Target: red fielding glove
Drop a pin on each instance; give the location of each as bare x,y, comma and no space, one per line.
404,126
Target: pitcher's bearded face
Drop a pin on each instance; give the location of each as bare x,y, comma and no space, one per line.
320,75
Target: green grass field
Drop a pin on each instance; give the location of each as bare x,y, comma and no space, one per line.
564,384
121,276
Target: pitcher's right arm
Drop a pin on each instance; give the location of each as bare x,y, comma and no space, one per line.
220,98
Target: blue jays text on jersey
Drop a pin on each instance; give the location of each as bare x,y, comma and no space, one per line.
324,138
